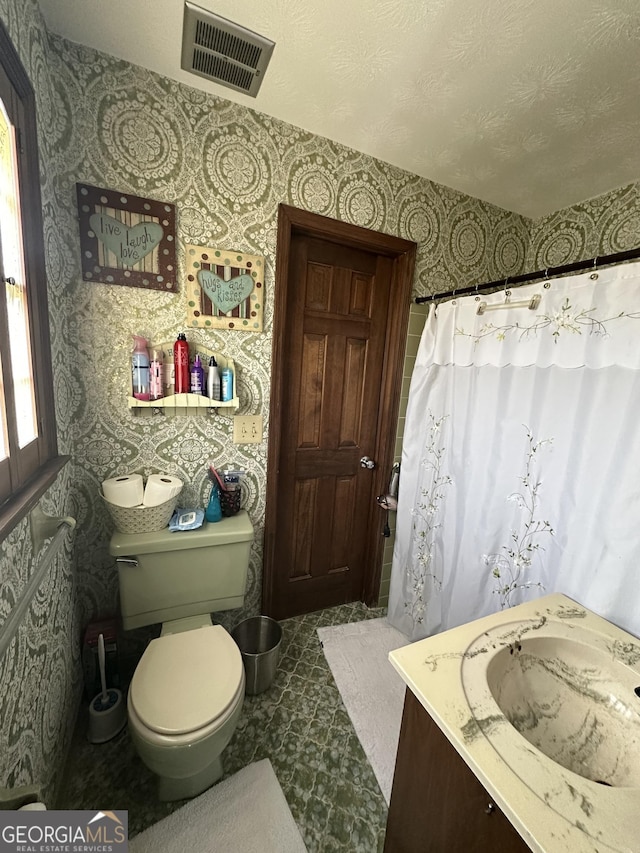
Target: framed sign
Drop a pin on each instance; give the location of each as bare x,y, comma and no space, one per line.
126,239
225,289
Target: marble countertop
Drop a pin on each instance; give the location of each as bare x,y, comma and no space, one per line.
552,807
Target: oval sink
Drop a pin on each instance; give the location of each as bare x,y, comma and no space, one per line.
567,691
572,701
557,703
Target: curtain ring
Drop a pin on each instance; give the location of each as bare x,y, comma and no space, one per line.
547,283
507,293
594,274
477,299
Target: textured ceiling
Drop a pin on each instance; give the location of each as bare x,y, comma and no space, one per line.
533,105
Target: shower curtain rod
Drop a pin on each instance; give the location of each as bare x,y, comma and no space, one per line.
600,260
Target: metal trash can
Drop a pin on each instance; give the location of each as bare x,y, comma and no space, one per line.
258,639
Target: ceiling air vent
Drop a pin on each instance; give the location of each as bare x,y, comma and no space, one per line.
224,52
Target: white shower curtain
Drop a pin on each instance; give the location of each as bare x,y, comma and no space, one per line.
521,456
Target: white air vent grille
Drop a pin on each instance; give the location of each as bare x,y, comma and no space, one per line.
218,69
214,39
223,51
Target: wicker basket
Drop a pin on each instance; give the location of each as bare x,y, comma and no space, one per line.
141,519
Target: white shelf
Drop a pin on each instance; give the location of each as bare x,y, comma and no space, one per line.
183,401
188,404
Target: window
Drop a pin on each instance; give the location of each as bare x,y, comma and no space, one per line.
28,452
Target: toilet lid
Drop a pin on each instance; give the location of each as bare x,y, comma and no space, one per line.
185,681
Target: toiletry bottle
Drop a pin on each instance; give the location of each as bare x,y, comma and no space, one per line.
156,376
213,380
140,368
213,512
197,376
169,380
181,364
226,384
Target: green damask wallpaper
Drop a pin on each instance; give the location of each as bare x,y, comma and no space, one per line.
108,123
603,225
226,168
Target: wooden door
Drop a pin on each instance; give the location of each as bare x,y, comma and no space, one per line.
334,401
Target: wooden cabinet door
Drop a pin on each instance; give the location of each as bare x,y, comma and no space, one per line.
437,804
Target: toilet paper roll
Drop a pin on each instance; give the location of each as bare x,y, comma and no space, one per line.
161,488
124,491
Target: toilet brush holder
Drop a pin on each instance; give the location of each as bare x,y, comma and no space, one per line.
107,716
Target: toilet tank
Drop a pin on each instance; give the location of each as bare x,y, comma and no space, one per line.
165,575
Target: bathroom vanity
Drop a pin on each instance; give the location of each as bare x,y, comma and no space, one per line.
521,731
437,803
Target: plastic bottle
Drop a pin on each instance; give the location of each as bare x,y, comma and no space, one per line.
214,510
181,364
169,381
197,376
140,368
226,384
213,380
156,375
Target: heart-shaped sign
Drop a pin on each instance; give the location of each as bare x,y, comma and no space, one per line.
129,243
225,295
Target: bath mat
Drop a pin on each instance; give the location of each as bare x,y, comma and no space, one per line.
246,812
371,689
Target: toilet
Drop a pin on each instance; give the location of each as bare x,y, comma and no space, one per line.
187,691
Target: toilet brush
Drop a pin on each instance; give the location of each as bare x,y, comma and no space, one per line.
107,714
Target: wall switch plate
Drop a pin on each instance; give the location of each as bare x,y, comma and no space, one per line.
247,429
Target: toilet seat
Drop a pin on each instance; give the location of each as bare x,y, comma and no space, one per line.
186,681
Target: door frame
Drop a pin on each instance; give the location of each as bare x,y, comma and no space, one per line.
293,221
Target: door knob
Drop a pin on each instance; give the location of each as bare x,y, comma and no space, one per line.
365,462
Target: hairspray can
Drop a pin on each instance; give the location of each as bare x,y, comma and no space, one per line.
213,379
181,364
